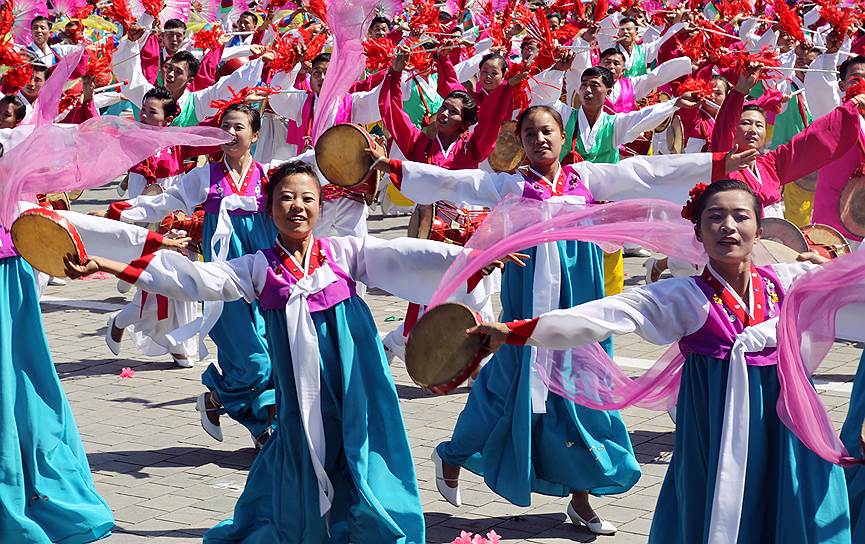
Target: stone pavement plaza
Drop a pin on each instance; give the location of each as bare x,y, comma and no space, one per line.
167,481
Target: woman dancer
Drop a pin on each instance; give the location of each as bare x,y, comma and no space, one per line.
235,224
757,481
512,431
353,476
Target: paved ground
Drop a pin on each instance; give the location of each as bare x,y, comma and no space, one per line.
167,481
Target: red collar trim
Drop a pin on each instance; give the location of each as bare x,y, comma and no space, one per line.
729,300
289,264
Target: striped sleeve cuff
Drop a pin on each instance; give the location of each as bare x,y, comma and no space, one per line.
396,173
520,331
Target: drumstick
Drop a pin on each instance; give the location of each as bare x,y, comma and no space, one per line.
247,33
712,30
109,87
794,69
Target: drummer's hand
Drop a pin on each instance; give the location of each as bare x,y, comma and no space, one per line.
736,161
76,270
516,258
495,335
381,161
171,242
688,101
812,257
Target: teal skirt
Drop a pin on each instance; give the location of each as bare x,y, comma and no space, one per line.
850,434
244,384
570,447
46,491
792,496
368,460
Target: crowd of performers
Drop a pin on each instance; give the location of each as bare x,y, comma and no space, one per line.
237,237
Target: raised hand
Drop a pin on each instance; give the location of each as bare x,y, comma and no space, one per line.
736,161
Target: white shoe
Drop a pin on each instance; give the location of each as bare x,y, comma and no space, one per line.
636,252
113,345
450,494
599,526
56,282
649,265
183,362
214,431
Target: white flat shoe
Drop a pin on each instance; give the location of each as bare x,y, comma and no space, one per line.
113,345
450,494
598,526
214,431
183,362
649,265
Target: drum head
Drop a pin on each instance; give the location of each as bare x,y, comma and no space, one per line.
824,235
809,182
420,224
153,189
439,354
785,233
340,154
852,206
43,242
768,252
675,134
508,153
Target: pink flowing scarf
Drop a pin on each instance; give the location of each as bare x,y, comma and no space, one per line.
806,332
348,21
586,374
57,158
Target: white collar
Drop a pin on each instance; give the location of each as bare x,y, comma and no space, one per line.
246,167
555,181
304,267
447,152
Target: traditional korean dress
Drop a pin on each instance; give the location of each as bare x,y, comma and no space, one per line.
235,224
737,473
515,434
46,489
829,139
338,467
851,437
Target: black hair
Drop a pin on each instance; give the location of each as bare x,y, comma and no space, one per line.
605,74
723,80
753,107
248,14
191,62
171,24
285,170
609,52
534,109
849,63
169,104
20,110
722,186
252,113
321,57
494,56
380,19
40,19
625,20
41,68
554,14
470,107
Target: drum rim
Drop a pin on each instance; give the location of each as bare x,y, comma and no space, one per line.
790,227
51,215
678,134
822,227
340,126
463,373
521,153
845,197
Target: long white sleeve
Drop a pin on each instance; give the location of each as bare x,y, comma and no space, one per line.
364,106
667,177
821,88
172,274
425,184
629,126
660,313
107,238
288,104
126,65
582,62
247,76
408,268
651,48
188,193
663,74
545,89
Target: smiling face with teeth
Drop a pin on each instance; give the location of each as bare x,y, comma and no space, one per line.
295,205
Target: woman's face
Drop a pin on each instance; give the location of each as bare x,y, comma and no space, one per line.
751,131
728,227
449,119
491,74
542,138
238,125
7,116
295,206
